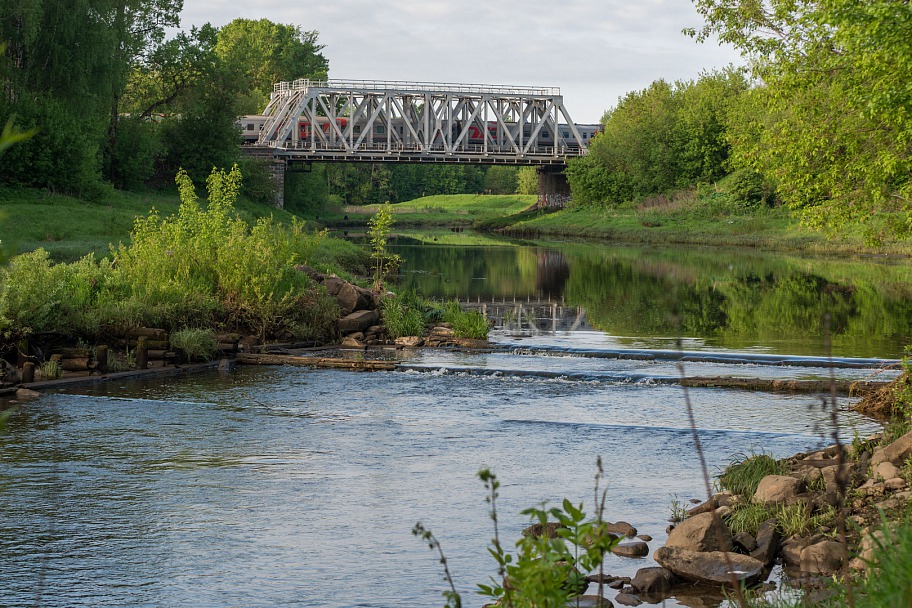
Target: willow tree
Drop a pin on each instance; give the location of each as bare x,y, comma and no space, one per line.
830,116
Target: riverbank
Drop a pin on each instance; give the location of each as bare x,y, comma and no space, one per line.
650,222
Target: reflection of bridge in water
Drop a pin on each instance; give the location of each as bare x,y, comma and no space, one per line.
548,315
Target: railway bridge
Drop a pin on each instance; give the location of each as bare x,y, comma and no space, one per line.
419,122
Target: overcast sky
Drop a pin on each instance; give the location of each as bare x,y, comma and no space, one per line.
594,50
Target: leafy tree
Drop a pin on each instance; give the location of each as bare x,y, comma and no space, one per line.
527,181
262,53
830,121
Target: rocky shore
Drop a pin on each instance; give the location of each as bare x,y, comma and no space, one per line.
844,493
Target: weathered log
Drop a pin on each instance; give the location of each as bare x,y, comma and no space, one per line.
161,354
80,364
73,353
151,333
101,359
142,353
28,372
352,364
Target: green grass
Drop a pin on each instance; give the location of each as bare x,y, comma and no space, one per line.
196,344
441,210
744,473
68,228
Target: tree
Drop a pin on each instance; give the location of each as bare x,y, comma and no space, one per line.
263,53
830,117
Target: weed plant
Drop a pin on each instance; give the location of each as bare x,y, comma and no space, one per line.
466,324
201,267
196,344
744,473
51,370
401,319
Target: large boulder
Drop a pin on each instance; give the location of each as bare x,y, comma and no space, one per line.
711,567
352,298
896,453
825,558
777,489
703,532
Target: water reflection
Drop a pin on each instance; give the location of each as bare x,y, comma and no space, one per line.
725,299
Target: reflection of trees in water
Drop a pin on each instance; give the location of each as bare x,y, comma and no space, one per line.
733,300
781,308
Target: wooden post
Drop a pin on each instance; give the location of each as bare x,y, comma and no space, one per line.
142,353
101,359
28,372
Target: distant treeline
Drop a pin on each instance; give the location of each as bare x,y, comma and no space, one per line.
819,119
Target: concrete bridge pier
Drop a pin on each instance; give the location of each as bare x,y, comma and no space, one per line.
553,188
277,172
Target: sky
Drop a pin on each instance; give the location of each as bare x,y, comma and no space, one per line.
596,51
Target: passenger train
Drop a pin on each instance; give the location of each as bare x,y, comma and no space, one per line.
252,124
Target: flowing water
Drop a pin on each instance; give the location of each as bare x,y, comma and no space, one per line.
288,486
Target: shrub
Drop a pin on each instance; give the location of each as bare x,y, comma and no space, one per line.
196,344
744,474
401,319
466,324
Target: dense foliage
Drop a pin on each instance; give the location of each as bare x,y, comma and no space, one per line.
114,101
203,267
831,119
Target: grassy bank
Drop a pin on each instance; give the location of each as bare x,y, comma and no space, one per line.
68,228
435,211
709,216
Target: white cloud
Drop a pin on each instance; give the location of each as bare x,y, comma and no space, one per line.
595,50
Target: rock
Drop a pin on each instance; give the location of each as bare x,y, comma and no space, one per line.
723,512
706,507
606,579
791,550
410,341
621,528
589,601
711,566
27,393
895,453
767,542
703,532
644,537
631,548
374,330
745,541
886,470
443,331
349,342
619,582
537,530
626,599
226,365
834,476
895,484
358,321
333,285
726,499
822,558
310,272
777,489
351,298
870,542
654,580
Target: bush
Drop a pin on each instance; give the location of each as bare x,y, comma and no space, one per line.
743,475
401,319
466,324
195,344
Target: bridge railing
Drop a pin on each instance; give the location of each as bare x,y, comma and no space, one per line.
303,84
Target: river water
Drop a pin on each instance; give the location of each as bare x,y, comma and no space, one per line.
288,486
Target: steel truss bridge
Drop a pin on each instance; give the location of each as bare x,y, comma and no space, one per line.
379,121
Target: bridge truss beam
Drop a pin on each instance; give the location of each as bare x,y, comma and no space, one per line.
419,122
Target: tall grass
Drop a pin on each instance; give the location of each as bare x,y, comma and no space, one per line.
200,267
744,473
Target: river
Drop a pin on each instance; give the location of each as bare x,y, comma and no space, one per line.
281,486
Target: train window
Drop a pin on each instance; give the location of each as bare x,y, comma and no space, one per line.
357,129
380,129
250,126
565,133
